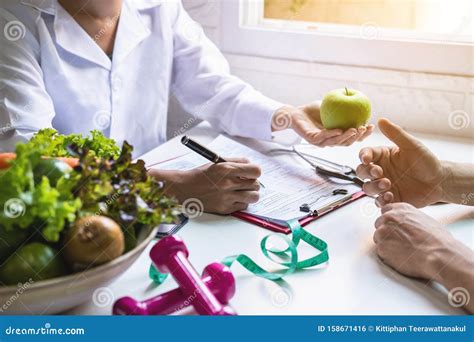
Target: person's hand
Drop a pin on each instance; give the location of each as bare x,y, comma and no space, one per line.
221,188
312,130
408,172
412,242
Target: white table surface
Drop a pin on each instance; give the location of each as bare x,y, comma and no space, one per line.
354,282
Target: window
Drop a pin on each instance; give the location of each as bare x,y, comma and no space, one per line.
416,35
449,20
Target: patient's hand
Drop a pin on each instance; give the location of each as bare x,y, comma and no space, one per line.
220,188
410,241
416,245
299,120
407,172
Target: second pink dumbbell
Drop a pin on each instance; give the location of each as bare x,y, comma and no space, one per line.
217,277
170,255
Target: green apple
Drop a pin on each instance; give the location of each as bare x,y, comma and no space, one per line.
344,109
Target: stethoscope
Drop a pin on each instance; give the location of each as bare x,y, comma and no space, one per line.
326,167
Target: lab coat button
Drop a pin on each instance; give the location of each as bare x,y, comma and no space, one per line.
116,83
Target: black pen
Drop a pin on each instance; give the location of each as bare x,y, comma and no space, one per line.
205,152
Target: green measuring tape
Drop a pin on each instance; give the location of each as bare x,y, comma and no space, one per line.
288,258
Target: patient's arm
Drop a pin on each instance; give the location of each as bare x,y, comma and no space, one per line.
457,275
459,184
417,245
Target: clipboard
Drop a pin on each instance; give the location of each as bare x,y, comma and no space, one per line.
267,223
268,219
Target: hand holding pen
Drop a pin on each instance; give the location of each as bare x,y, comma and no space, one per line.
205,152
222,187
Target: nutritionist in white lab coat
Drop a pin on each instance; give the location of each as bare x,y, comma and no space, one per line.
79,65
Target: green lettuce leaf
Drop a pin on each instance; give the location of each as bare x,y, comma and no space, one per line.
122,190
53,144
37,207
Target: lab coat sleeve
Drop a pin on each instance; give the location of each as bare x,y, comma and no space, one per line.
203,85
25,106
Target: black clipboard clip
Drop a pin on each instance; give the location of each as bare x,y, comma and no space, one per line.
328,207
172,228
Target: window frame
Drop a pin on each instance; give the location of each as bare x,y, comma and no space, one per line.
243,31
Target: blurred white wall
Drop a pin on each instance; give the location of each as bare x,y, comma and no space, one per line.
431,103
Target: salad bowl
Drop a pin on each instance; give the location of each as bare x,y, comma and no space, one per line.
77,213
57,295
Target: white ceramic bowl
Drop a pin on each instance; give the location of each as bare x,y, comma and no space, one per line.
60,294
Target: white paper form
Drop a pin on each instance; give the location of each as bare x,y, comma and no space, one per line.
287,186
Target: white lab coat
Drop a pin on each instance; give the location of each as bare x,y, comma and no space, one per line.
53,74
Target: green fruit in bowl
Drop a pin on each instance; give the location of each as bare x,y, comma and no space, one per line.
10,240
35,261
53,169
344,109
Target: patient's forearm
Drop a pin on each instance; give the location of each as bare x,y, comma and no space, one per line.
458,186
456,273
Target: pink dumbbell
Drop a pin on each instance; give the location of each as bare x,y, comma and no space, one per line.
170,255
217,277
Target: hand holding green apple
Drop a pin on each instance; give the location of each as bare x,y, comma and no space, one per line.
342,125
344,109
